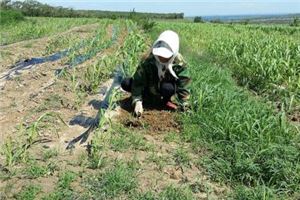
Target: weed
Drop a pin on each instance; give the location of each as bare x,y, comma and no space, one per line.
144,196
171,137
49,153
63,189
257,193
182,157
113,182
34,170
96,160
13,152
123,139
160,160
29,192
174,193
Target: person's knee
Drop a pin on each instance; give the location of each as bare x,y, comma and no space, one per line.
126,84
167,89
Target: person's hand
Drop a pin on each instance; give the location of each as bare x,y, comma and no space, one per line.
138,108
171,106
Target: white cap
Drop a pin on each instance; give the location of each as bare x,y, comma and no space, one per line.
162,49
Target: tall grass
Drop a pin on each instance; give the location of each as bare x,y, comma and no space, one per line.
248,143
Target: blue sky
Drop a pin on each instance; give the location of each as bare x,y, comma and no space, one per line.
189,7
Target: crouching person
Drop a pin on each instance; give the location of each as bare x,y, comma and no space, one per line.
163,76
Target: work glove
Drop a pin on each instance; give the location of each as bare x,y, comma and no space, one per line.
138,108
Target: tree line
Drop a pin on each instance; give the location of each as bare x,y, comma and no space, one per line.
35,9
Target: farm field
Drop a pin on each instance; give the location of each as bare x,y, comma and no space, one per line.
239,140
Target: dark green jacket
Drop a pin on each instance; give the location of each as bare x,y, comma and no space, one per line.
146,76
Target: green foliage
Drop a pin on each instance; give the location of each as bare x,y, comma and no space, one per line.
66,179
49,153
172,137
15,150
145,23
176,193
29,192
266,64
63,188
132,49
198,20
32,28
295,22
144,196
216,21
245,22
181,157
113,182
10,17
36,170
35,8
170,192
258,193
247,142
160,160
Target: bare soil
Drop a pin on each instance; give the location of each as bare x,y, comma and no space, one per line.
155,120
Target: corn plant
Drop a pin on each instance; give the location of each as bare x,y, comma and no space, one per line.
15,150
35,27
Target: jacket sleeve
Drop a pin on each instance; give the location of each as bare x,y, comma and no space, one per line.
183,87
139,82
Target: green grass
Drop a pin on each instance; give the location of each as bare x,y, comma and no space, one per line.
35,170
50,153
172,137
63,188
181,157
28,192
248,142
52,102
176,193
123,139
116,181
36,27
169,192
160,160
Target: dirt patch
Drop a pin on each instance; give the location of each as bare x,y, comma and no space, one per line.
295,117
155,120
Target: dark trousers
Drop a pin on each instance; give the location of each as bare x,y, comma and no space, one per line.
167,89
